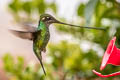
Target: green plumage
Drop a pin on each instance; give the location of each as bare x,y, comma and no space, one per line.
41,38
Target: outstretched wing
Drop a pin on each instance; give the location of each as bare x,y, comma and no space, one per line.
23,34
28,27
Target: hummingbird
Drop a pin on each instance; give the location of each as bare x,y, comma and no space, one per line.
40,35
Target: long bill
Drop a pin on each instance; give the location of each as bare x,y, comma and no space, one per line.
81,26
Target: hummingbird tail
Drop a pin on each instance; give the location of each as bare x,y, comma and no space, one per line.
42,66
39,56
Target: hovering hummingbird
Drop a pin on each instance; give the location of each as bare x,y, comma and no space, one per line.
41,35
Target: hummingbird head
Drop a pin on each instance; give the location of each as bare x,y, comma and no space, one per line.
48,19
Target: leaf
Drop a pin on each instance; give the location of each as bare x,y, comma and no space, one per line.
15,5
80,10
89,10
8,62
27,7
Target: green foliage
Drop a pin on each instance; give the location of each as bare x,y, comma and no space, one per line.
15,6
10,66
72,59
29,7
81,10
17,70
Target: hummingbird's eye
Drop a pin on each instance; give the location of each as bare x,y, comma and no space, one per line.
48,18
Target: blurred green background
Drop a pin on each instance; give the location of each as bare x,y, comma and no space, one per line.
72,59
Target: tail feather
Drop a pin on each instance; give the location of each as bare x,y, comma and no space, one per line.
42,66
39,56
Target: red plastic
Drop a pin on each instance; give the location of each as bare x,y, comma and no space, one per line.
109,75
111,56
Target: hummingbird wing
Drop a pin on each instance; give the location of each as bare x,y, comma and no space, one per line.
23,34
28,27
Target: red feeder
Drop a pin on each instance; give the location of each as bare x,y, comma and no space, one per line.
111,56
